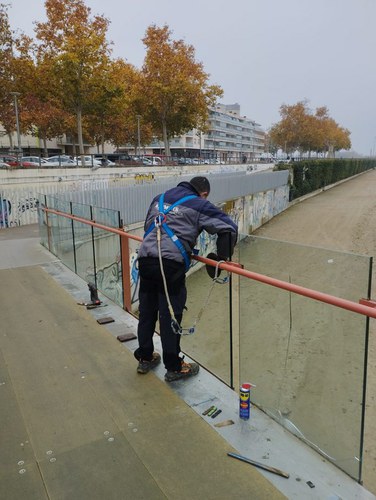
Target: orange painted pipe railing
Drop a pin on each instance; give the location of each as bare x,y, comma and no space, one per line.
365,307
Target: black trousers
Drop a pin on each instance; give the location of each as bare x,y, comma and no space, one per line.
153,302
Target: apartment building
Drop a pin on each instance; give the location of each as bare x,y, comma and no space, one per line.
230,136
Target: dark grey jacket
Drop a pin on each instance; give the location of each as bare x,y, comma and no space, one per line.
187,221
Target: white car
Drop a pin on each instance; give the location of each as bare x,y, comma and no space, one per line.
38,161
89,160
62,160
104,162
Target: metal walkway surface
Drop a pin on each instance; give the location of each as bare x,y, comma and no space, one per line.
77,422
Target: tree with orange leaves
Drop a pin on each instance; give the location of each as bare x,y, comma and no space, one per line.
175,92
74,50
300,129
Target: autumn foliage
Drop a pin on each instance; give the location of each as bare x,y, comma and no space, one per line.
70,83
301,129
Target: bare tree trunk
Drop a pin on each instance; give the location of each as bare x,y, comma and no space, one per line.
10,136
79,133
165,139
45,150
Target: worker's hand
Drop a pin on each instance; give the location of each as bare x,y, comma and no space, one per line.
211,270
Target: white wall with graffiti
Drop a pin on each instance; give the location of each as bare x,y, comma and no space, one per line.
19,203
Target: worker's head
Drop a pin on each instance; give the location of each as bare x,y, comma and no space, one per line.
201,185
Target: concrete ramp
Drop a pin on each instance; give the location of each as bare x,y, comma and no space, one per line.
77,422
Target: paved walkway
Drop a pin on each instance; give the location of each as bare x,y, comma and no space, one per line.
77,422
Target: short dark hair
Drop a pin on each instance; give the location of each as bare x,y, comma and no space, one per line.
201,184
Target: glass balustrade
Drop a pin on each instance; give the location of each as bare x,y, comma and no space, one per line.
306,358
107,252
208,310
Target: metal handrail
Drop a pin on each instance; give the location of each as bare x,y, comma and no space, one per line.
232,267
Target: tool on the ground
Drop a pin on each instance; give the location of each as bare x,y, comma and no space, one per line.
224,423
126,336
93,293
215,414
260,465
213,410
207,411
94,306
94,299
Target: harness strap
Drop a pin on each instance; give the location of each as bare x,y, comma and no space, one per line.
162,223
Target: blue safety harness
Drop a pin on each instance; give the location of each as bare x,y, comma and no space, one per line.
161,221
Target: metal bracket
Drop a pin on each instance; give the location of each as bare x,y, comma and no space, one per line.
368,302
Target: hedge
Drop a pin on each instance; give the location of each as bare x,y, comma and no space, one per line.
309,175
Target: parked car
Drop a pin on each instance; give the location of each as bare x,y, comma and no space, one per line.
121,158
104,162
12,161
4,165
63,160
37,161
89,161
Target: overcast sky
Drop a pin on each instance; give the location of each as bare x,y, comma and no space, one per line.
263,53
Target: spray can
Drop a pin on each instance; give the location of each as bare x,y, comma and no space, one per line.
244,401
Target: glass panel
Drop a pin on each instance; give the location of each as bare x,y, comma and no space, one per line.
208,305
108,255
83,244
134,277
42,221
305,357
64,241
53,224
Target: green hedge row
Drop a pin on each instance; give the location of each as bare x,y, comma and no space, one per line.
308,175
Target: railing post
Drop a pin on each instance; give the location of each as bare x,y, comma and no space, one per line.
73,239
47,225
125,272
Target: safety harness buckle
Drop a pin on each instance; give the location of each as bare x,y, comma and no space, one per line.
160,219
178,330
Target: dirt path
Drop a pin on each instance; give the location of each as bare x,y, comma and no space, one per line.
343,219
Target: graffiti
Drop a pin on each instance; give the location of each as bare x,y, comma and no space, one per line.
10,217
109,282
140,178
28,204
135,277
5,211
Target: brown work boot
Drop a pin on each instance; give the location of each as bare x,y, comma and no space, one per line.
145,366
187,370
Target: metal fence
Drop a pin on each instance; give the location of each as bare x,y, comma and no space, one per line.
133,201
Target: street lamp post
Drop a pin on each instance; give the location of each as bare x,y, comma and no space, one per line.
15,95
138,135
